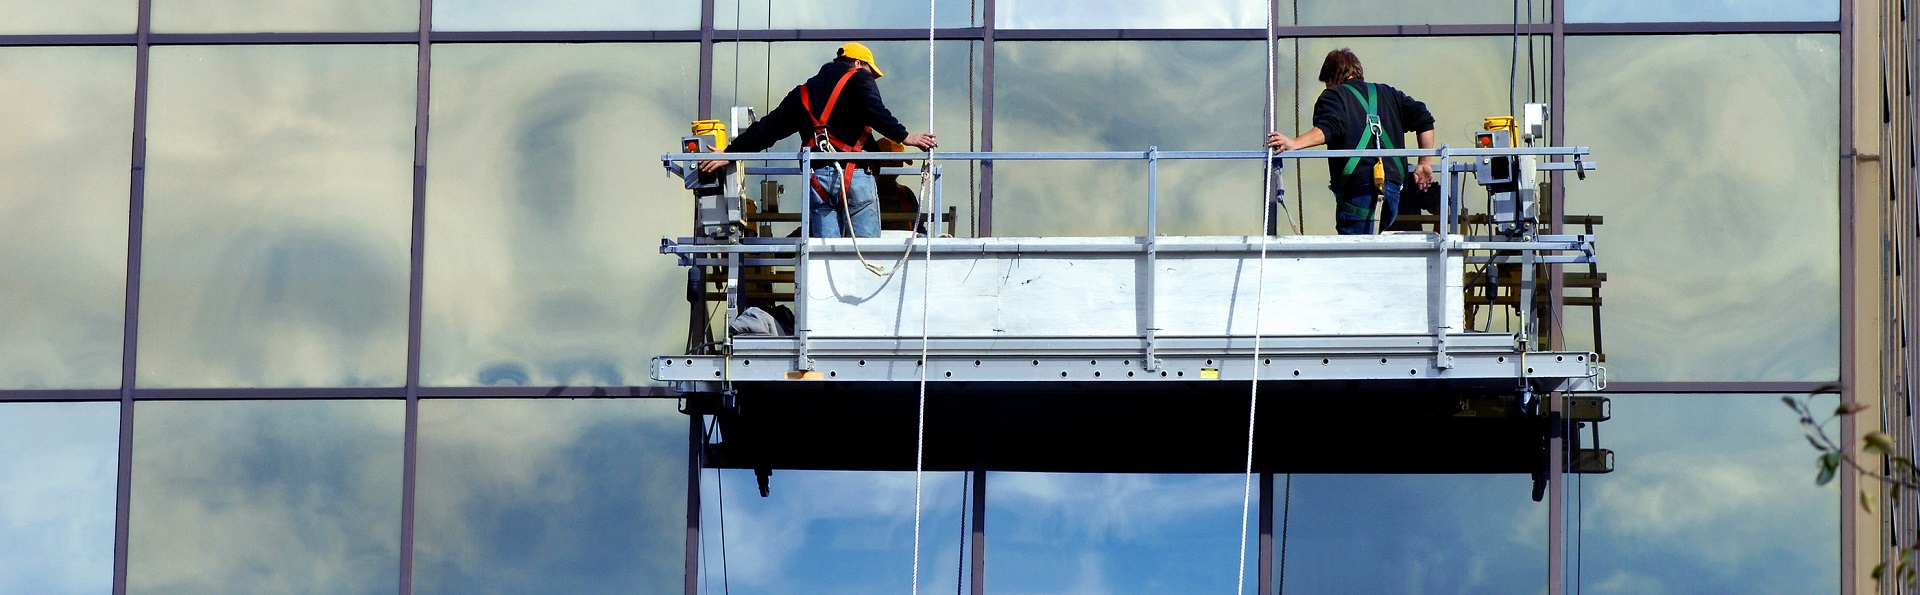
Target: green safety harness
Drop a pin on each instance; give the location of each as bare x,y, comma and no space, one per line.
1375,134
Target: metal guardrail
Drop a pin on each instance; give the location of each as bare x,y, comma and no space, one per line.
1448,223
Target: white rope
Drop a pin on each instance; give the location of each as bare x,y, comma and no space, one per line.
926,291
1253,399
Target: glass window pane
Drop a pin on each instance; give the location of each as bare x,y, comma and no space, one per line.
1106,533
30,17
742,77
1411,534
278,216
57,484
834,532
1473,85
68,113
1646,11
1096,96
841,14
284,16
545,201
1720,193
266,496
565,15
1728,506
573,496
1134,14
1392,12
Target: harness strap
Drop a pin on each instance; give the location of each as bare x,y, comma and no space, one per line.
820,120
1372,105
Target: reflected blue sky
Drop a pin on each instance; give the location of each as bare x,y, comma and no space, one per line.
58,463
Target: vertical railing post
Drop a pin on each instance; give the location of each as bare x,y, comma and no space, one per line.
1152,261
1437,281
800,324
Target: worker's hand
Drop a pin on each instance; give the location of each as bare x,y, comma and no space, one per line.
1423,175
922,141
713,165
1279,142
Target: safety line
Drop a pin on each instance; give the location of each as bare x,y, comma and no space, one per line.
1253,398
926,291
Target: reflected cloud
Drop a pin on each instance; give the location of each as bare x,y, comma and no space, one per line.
564,15
1710,245
831,532
277,217
283,16
1126,14
28,17
546,204
575,496
1088,96
1654,11
1713,493
63,215
265,496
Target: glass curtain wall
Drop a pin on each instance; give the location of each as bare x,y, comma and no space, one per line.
276,146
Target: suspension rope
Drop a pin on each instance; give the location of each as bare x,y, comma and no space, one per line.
926,290
1253,398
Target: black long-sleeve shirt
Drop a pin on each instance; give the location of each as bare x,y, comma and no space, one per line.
1343,119
859,107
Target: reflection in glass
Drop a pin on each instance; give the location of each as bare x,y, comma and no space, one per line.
68,117
565,15
1652,11
1711,494
842,14
835,532
265,497
573,496
31,17
1086,533
1411,534
57,484
1128,96
545,201
1719,236
743,77
1135,14
1388,12
1471,84
278,216
284,16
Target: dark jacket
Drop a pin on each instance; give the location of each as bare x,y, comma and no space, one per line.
859,107
1343,119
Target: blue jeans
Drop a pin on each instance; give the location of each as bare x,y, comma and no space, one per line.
1354,212
862,205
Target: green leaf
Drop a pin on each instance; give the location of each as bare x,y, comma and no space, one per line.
1791,402
1866,501
1829,464
1850,408
1879,569
1878,443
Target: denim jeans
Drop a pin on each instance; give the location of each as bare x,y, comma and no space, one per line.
1348,219
862,205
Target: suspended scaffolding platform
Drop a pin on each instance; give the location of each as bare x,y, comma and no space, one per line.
1132,354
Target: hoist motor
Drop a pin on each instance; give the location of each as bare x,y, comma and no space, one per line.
716,200
1511,182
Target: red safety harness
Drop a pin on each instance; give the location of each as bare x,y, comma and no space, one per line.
824,141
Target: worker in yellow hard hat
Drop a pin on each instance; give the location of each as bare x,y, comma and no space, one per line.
1355,114
839,109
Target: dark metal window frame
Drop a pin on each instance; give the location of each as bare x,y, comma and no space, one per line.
708,36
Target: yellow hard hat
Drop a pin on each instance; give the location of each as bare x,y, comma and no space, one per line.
860,52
